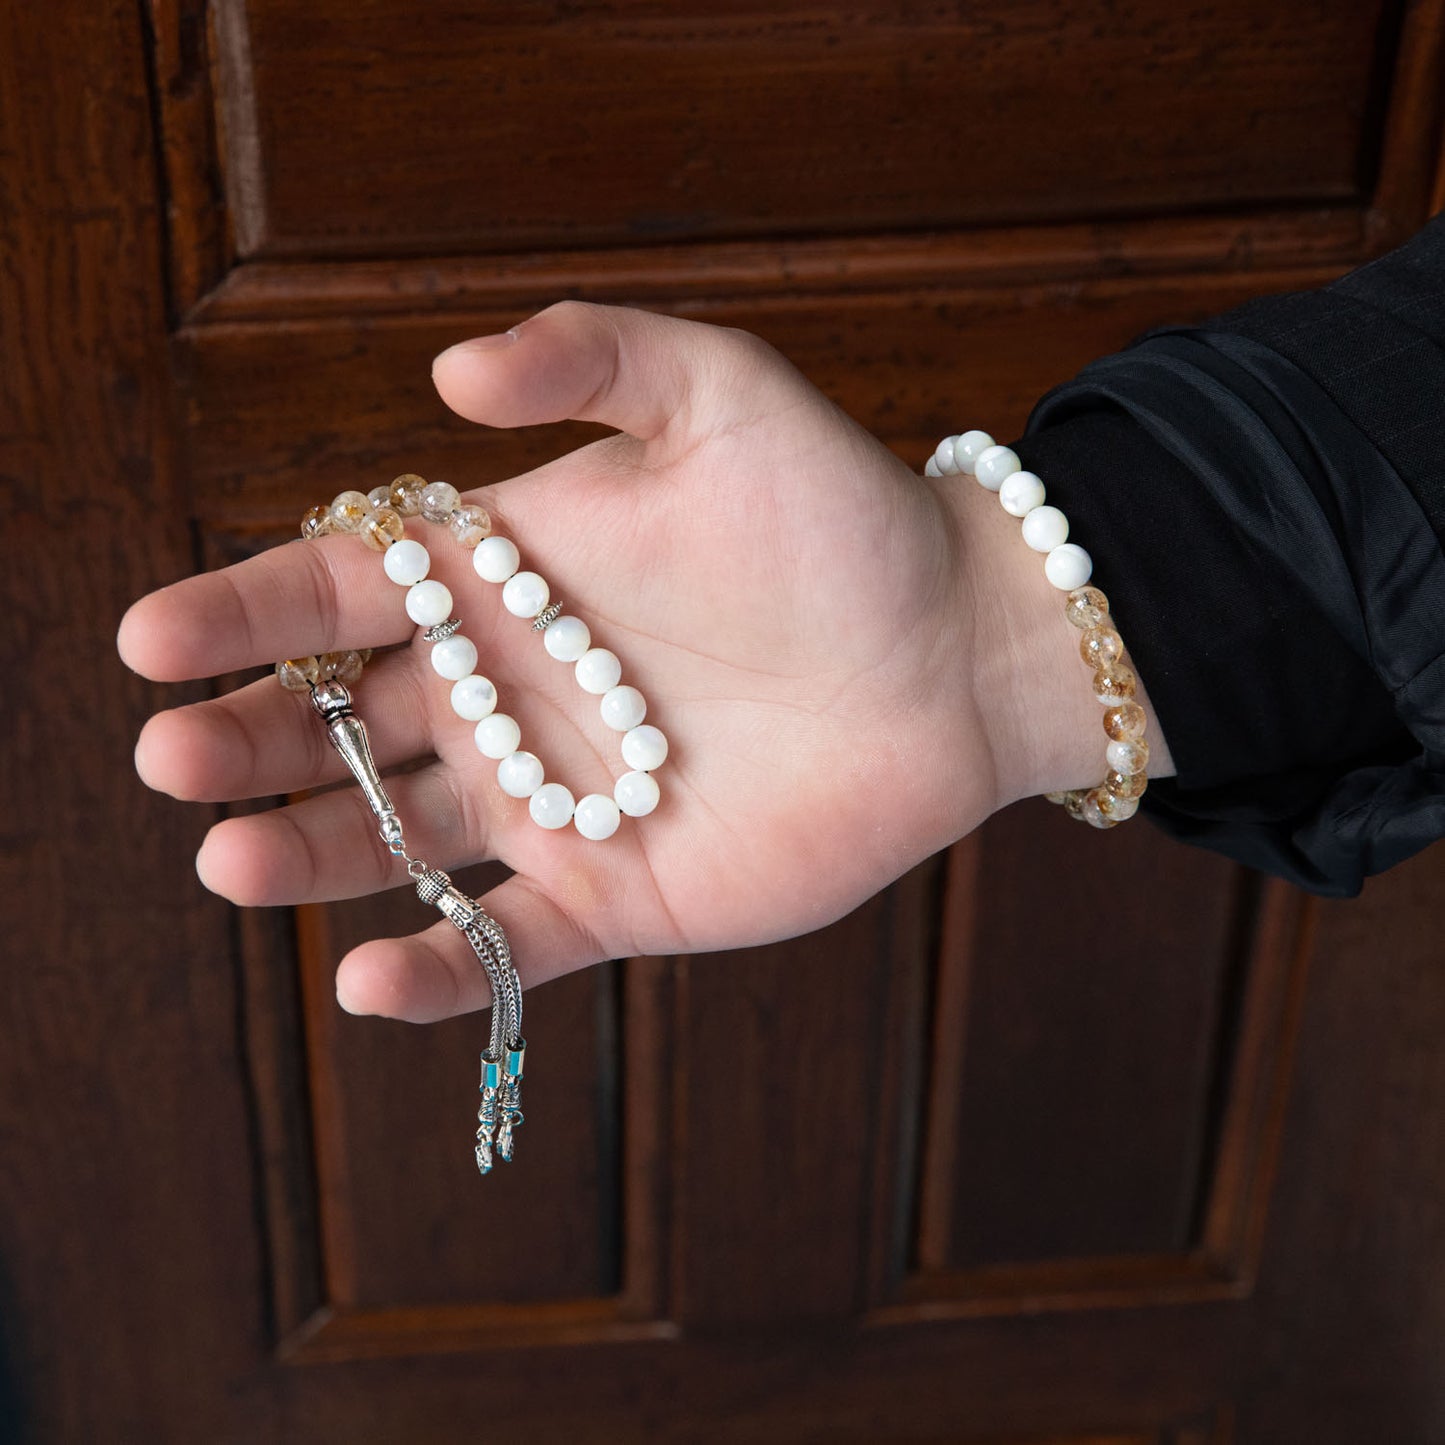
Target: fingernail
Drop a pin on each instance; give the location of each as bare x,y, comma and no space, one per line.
479,343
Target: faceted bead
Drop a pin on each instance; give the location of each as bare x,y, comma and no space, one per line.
598,670
474,697
636,794
552,806
1131,757
470,525
525,594
316,523
1100,646
496,559
439,501
1092,811
345,667
644,748
428,603
1086,607
454,657
1045,528
623,708
406,493
1125,785
348,511
382,529
1068,567
519,775
379,496
406,562
992,465
1021,493
1114,682
298,674
567,638
1124,722
596,817
1116,810
498,736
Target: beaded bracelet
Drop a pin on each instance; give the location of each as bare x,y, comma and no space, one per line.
1068,567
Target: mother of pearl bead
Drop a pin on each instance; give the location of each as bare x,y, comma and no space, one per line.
519,775
552,806
623,708
454,657
598,671
496,558
1045,528
428,603
596,817
525,594
567,638
406,562
644,748
636,794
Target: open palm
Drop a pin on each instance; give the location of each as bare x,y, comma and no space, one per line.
785,593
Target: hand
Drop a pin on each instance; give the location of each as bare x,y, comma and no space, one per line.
798,608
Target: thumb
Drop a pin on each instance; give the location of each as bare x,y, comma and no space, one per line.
633,370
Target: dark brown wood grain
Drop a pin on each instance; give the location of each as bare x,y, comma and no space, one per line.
521,127
1154,1162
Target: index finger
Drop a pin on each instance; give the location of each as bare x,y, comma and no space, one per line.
326,595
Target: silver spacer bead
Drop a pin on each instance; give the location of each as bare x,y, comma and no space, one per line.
546,617
443,630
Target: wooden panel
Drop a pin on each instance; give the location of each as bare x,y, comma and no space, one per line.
376,130
1076,1044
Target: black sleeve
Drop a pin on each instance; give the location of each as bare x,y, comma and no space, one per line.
1264,498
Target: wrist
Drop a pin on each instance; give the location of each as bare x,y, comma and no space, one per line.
1042,726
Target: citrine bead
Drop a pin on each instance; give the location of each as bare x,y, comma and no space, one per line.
1100,646
316,523
298,674
381,527
345,667
1125,785
349,510
406,493
1114,682
470,525
1124,721
1086,607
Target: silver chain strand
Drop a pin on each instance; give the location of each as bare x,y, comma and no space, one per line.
500,1112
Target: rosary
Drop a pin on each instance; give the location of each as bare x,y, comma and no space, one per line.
378,518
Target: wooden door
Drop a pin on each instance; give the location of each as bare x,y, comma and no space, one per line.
1175,1180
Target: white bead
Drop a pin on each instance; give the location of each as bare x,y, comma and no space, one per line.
1021,493
525,594
993,464
474,698
552,806
498,736
636,794
439,501
1046,528
623,708
930,468
1068,566
968,448
519,775
644,748
943,457
596,817
454,657
597,670
406,562
496,558
567,638
428,603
